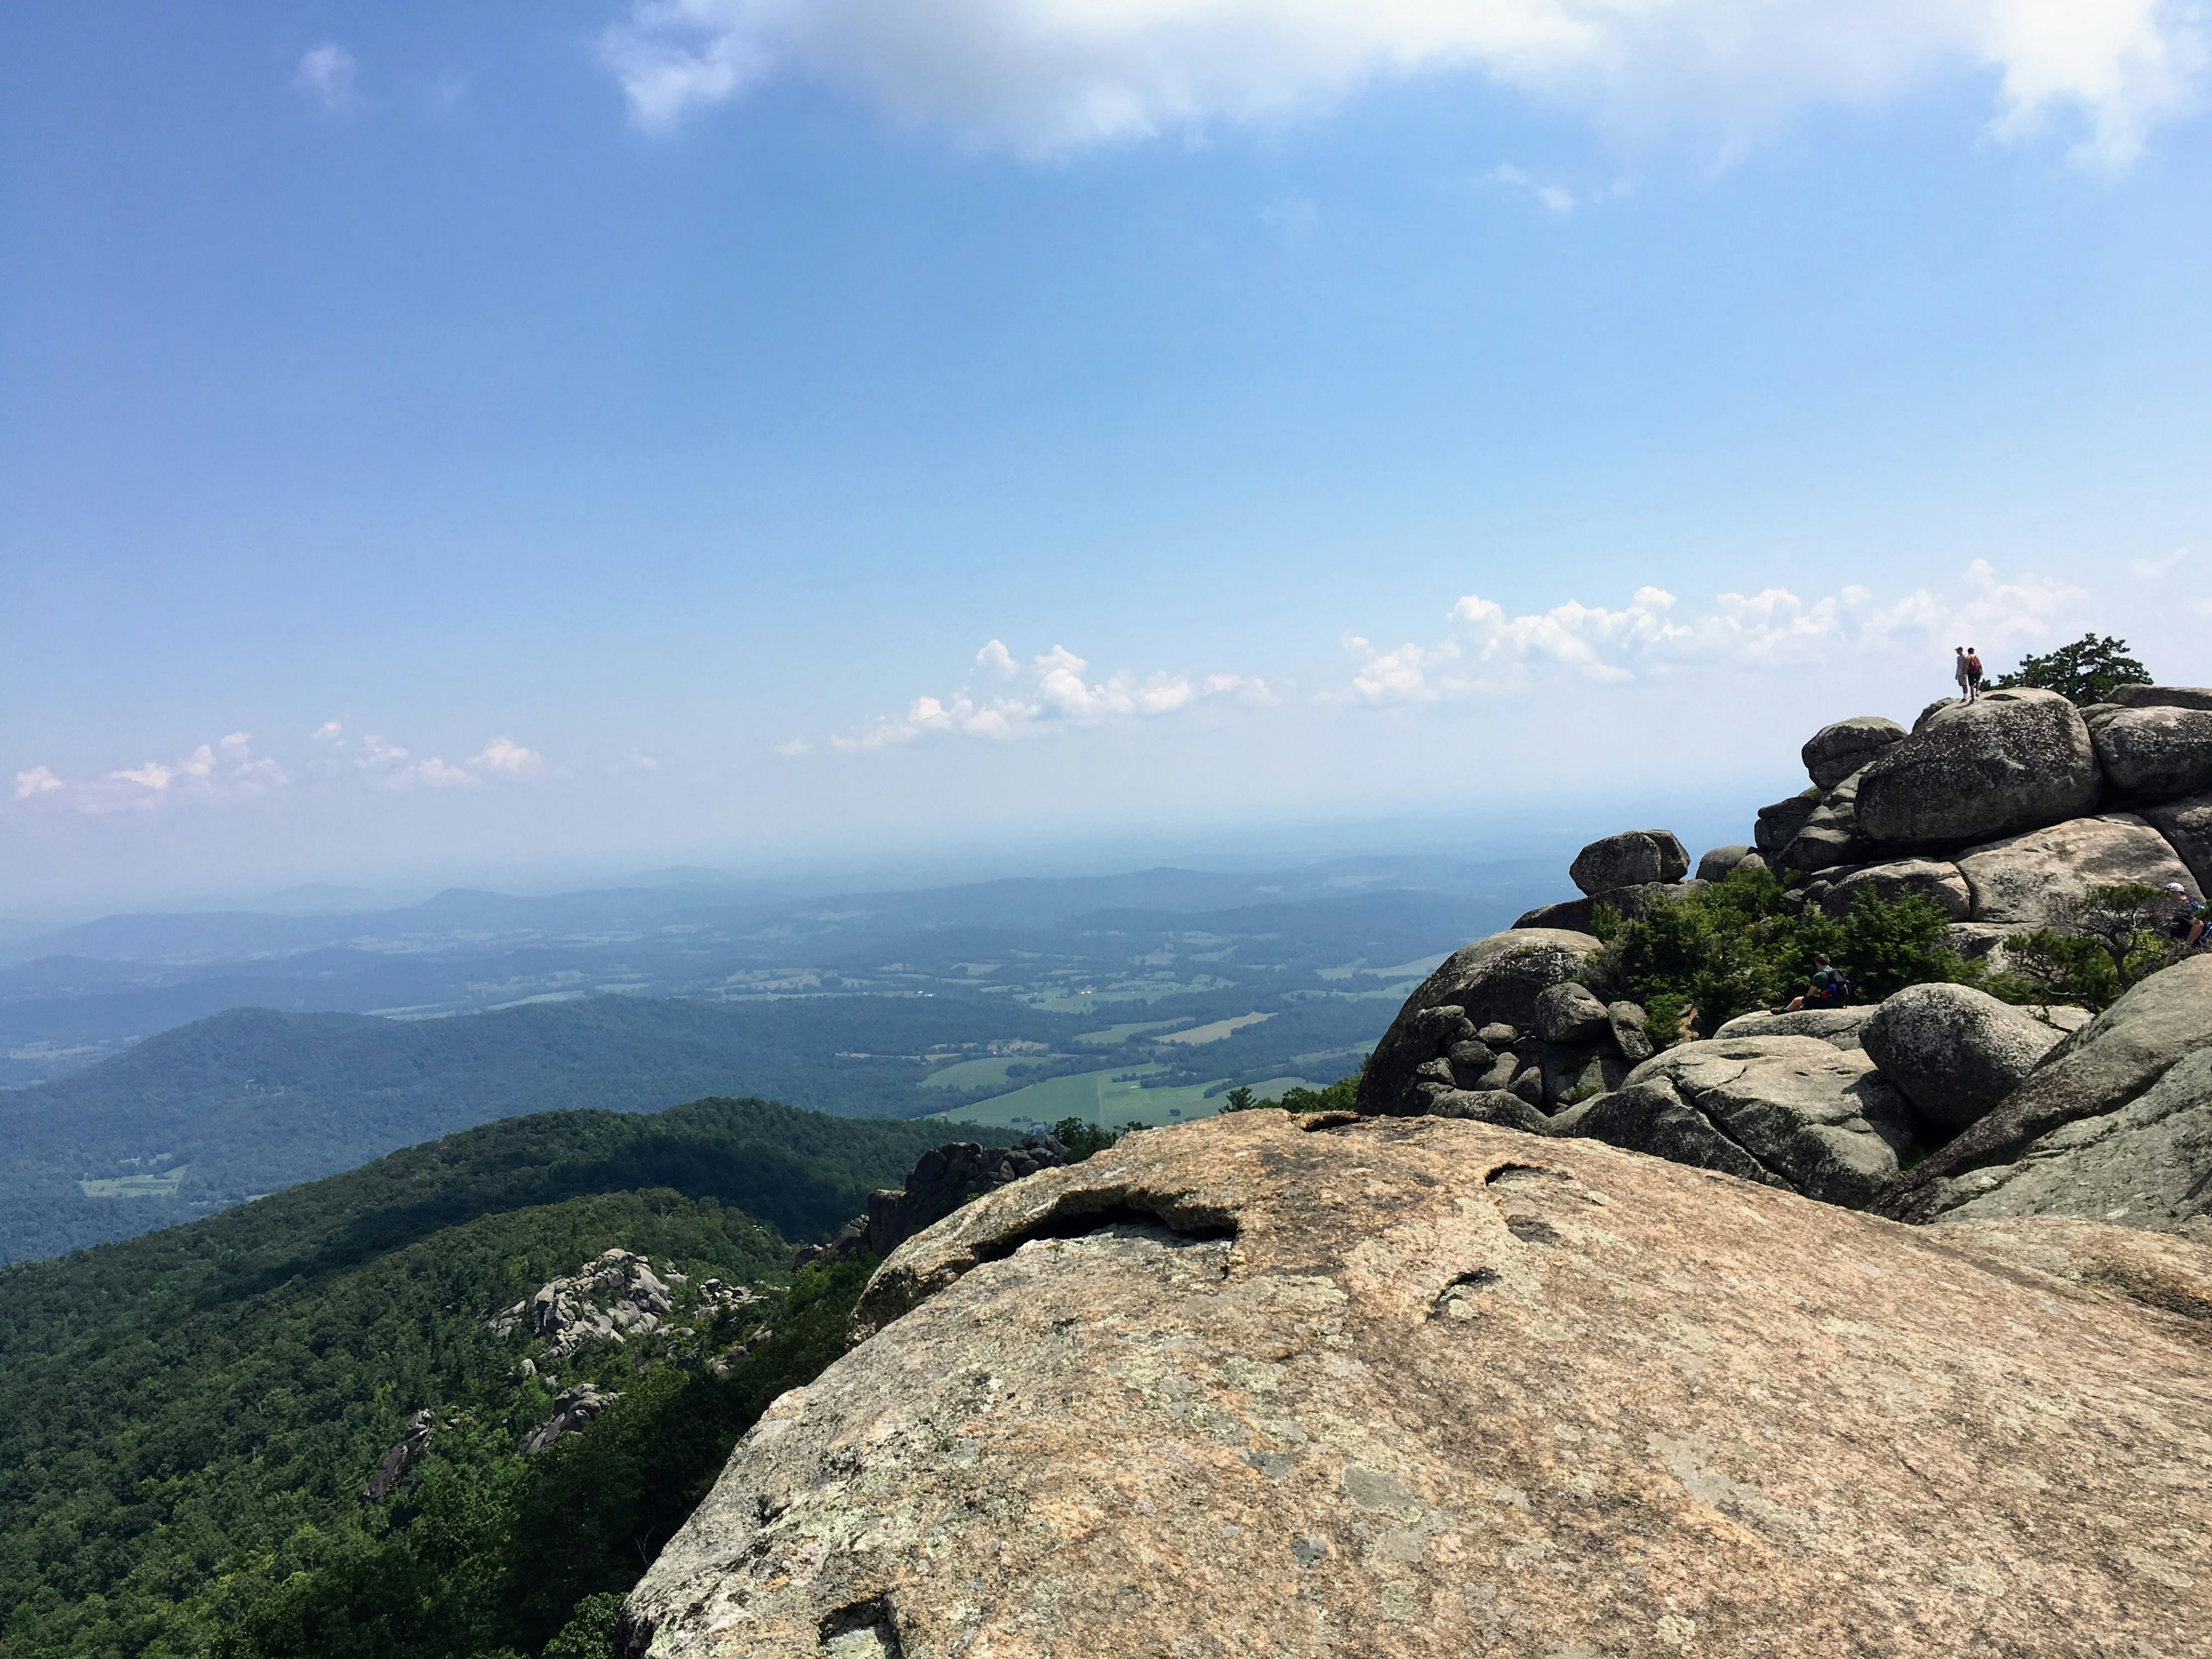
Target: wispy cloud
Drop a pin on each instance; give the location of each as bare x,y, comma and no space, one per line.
2151,570
326,74
1557,198
38,780
505,755
1489,651
1004,697
1042,76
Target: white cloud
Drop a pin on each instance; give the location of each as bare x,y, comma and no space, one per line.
505,755
1050,75
326,74
328,731
1773,632
2150,570
377,752
435,774
37,782
1052,690
151,775
793,748
1558,198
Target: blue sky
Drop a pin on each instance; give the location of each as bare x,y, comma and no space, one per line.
744,432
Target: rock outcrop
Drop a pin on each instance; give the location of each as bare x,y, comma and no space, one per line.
1420,1387
1829,836
573,1412
1786,1111
2111,1061
1938,881
1834,752
2031,879
1973,772
405,1453
941,1178
1838,1027
2187,826
616,1296
1495,981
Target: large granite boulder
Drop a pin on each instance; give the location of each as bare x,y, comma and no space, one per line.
1631,859
1788,1111
1829,836
942,1177
1954,1051
1716,864
2007,761
2113,1059
2187,826
1408,1388
1778,824
2149,1164
2153,754
2161,696
1834,752
1570,1013
2034,878
1937,880
1494,981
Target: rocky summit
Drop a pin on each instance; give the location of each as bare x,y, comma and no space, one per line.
1419,1386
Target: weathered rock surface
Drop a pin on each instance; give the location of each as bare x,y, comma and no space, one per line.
1834,752
1631,859
1493,981
2161,696
2031,879
1831,835
1714,866
1778,824
2157,1271
1840,1028
1954,1051
1570,1013
405,1453
2149,1164
940,1179
2187,826
1937,880
573,1412
1789,1111
1970,772
2109,1062
1423,1388
2153,754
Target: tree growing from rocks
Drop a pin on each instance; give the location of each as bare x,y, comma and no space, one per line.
2096,947
2084,672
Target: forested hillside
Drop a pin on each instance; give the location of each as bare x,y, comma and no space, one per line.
188,1419
250,1101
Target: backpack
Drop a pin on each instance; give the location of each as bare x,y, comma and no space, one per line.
1973,667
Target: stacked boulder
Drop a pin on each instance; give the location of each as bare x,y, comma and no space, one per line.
942,1179
614,1297
2004,812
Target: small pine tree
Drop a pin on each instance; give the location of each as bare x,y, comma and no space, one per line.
2084,672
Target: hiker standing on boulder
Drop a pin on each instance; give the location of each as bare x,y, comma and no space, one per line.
1961,673
1973,673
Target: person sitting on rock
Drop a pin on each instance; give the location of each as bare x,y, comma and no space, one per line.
2188,918
1829,988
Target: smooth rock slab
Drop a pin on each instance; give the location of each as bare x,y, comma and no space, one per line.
2007,761
1838,1028
2029,880
1420,1387
2161,696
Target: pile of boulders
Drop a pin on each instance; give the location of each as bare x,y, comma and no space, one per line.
617,1296
2005,812
943,1178
573,1412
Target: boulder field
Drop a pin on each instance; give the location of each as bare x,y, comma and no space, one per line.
1266,1386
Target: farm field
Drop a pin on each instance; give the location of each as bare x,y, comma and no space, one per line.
1097,1097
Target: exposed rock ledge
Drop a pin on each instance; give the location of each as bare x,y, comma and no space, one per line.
1428,1386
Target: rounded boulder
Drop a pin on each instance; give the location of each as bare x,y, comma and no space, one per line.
1955,1052
1834,752
2007,761
1631,859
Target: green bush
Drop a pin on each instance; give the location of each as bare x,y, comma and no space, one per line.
1340,1095
2084,672
1737,946
2110,940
